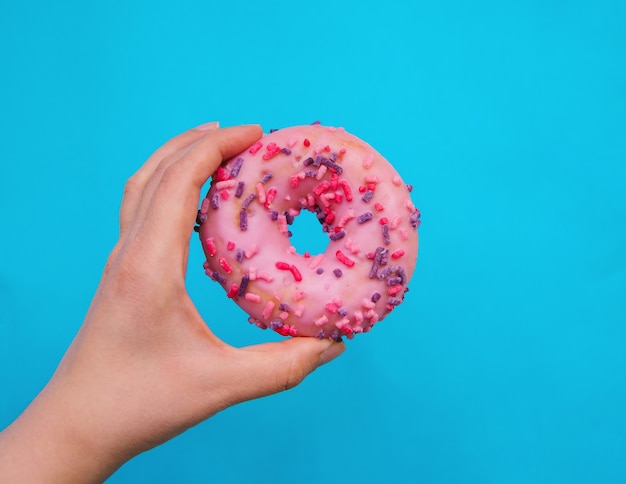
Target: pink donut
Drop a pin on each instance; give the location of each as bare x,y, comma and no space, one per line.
362,204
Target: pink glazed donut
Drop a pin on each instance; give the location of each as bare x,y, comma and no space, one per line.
362,204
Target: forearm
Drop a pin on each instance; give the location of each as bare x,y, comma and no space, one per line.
47,444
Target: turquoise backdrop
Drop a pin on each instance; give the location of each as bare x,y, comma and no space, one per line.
507,362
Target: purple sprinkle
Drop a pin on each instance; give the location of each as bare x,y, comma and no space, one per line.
243,285
386,237
332,165
286,151
401,274
364,217
415,219
336,336
392,281
375,297
337,235
316,122
216,276
288,217
308,161
374,269
289,233
409,187
243,220
333,157
385,273
384,256
394,301
321,334
320,270
342,312
239,253
338,273
274,215
234,171
273,130
215,201
284,307
367,196
248,201
239,189
276,323
380,259
267,177
310,172
318,160
200,218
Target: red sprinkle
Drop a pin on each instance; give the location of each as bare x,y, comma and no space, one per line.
270,196
307,255
255,147
334,181
331,307
321,188
210,245
362,189
393,290
337,229
232,292
225,265
225,194
294,181
383,220
296,273
307,143
282,266
230,245
344,259
330,218
221,174
346,189
371,186
379,206
397,254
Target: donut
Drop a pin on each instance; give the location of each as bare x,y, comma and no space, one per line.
363,206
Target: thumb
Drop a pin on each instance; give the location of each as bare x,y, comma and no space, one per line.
275,367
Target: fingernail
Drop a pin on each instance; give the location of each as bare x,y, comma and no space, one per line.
208,126
332,352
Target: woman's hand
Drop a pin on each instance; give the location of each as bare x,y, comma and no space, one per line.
145,366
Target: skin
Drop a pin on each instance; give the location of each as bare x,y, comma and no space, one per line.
145,366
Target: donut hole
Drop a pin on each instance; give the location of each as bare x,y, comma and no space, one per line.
307,235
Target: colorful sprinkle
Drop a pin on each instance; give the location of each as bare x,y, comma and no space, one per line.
252,297
255,148
210,245
243,285
365,217
386,237
367,196
236,168
344,259
338,273
239,189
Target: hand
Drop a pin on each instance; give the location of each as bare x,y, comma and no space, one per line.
145,366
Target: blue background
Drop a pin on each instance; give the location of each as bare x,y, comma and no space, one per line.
507,363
